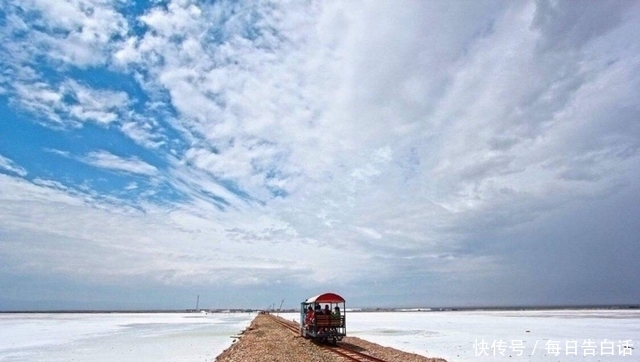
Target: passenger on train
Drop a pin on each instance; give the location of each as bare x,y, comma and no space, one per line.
336,313
308,318
327,310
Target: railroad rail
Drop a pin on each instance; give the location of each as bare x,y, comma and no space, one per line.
342,350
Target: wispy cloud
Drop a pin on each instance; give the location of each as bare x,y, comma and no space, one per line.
10,166
70,102
104,159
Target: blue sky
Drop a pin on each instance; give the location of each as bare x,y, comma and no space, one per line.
422,154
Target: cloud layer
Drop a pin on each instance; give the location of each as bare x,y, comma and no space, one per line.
429,153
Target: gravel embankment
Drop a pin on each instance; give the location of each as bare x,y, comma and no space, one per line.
265,340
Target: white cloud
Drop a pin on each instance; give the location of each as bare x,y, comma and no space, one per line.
86,104
104,159
131,186
168,246
11,166
369,232
73,31
143,131
46,192
101,106
226,97
40,98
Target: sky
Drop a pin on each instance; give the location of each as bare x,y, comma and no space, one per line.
398,153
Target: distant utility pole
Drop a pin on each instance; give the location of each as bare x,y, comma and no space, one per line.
280,308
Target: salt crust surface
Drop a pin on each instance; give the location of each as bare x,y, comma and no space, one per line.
183,337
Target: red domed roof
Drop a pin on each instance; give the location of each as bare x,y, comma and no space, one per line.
325,298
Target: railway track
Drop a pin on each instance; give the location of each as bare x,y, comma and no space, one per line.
294,327
341,350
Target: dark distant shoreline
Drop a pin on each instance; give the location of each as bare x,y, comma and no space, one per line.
351,310
132,311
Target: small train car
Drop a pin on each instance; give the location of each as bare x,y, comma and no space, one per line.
323,318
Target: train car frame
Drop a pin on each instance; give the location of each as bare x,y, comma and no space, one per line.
322,326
